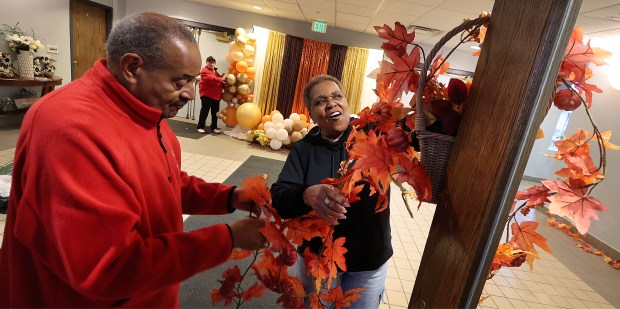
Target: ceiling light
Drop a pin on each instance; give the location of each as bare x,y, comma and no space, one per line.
614,18
476,47
256,7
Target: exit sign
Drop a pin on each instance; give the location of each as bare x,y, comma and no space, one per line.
319,26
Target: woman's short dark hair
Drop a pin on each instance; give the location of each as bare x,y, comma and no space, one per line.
146,34
312,83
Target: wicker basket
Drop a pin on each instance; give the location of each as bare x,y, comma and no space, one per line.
435,148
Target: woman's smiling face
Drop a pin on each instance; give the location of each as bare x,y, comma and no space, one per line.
329,109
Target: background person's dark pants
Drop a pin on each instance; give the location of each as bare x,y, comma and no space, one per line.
206,105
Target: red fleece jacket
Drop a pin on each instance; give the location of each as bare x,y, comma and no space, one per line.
210,84
94,216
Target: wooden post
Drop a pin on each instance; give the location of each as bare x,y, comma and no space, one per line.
513,82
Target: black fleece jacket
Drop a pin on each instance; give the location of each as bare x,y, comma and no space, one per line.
312,159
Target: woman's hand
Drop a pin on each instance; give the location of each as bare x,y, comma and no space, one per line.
242,201
327,202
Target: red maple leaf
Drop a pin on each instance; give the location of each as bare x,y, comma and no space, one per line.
396,38
574,203
293,292
415,175
526,237
269,271
315,267
334,253
400,74
536,196
340,300
374,157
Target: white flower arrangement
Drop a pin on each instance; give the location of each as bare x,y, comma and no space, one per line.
19,40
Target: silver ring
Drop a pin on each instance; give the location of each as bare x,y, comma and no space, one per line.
327,200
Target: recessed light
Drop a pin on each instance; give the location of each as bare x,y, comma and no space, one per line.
256,7
476,47
614,18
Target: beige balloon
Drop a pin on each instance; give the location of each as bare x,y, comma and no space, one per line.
237,56
248,49
234,46
240,32
249,61
242,78
243,89
296,136
241,41
231,79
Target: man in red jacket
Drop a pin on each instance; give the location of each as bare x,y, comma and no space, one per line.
210,88
94,218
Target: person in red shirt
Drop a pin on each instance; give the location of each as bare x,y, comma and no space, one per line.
94,217
210,87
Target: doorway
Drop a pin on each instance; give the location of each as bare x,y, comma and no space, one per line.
90,25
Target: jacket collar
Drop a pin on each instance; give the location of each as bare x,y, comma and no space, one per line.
100,77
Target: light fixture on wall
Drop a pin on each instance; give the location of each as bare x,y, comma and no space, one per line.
256,7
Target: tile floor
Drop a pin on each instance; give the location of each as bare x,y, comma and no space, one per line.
552,284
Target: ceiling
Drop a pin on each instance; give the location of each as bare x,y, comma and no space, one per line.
361,15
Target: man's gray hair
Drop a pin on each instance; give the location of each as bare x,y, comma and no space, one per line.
148,35
312,83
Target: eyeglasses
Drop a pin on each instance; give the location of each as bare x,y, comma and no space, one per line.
323,99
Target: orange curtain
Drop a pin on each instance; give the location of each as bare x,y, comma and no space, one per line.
314,61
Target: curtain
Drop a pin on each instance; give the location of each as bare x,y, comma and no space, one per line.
369,97
337,56
353,76
269,85
262,39
314,61
293,47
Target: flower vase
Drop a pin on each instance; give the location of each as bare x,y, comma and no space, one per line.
25,64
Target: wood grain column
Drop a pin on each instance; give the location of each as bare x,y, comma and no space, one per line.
512,84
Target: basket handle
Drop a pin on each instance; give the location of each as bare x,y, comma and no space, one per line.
420,121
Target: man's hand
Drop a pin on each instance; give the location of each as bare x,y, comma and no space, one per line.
242,203
246,234
327,202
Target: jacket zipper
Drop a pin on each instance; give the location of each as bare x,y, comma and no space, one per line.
163,147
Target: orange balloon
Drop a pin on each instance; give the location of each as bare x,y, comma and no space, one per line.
265,118
303,118
234,72
231,67
250,97
251,71
241,66
261,126
275,111
304,122
231,116
239,96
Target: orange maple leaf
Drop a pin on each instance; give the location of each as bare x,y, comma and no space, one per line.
581,168
257,189
255,291
397,37
275,238
269,271
293,292
340,300
239,254
315,267
525,236
373,155
334,253
572,143
536,196
606,143
415,175
573,203
306,228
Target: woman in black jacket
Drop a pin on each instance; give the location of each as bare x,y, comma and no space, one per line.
298,191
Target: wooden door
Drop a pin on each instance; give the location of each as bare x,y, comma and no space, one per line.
89,29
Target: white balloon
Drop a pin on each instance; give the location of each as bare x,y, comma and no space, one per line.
249,61
304,131
268,125
248,49
277,118
275,144
236,56
240,32
287,141
294,116
287,122
278,125
234,47
271,133
281,134
251,37
234,100
232,104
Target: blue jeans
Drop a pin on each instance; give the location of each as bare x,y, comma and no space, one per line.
373,281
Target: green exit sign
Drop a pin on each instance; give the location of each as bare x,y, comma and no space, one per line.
319,26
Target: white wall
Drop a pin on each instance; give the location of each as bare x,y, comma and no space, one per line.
50,21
